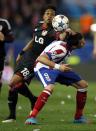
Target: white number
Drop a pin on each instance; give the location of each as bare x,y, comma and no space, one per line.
25,72
47,76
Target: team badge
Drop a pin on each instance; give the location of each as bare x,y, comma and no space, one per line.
44,32
35,29
1,27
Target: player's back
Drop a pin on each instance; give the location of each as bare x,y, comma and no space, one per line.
56,50
54,45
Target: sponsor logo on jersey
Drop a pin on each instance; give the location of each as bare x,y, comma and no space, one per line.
39,40
1,27
44,32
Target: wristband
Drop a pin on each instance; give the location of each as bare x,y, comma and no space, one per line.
57,66
22,52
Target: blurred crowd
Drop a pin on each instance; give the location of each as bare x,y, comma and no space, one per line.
22,14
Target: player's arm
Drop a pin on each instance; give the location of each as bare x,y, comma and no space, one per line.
70,31
9,37
44,59
64,34
2,37
6,33
27,47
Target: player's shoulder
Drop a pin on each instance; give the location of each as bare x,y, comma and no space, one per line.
5,21
38,26
60,45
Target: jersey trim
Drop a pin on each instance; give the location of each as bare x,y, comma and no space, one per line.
6,21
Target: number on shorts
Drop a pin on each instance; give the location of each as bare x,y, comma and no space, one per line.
25,72
47,76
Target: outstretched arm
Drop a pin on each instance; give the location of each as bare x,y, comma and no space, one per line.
44,59
27,47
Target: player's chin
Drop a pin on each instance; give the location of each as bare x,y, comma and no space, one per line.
49,21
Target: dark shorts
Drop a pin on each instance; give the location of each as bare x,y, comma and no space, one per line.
25,71
1,64
50,76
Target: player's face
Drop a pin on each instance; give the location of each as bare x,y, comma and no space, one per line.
48,15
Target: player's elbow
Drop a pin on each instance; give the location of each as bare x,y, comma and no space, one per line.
40,58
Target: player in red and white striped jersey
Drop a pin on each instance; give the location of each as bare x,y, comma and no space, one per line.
50,69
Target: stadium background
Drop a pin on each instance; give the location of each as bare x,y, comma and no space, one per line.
24,14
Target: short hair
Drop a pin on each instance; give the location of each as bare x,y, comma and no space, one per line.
74,39
46,8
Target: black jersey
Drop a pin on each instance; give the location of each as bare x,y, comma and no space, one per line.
42,38
5,28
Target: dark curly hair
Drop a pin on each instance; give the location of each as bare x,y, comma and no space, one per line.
74,39
47,7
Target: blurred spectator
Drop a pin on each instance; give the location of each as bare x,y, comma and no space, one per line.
29,13
94,46
86,21
7,73
22,14
93,29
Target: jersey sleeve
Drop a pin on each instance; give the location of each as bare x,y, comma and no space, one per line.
7,27
7,31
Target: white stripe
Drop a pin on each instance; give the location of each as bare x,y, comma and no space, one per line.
6,21
41,77
47,92
82,90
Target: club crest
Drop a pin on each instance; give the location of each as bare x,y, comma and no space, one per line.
44,32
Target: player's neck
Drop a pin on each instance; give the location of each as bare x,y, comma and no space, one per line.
44,26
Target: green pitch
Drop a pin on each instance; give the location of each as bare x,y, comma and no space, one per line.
57,114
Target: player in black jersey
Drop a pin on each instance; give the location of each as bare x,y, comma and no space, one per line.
43,35
6,36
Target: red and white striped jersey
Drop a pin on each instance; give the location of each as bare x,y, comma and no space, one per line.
57,52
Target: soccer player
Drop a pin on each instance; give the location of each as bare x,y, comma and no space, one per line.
6,36
43,35
50,69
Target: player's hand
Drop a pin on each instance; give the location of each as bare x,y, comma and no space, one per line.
18,58
2,36
65,67
70,31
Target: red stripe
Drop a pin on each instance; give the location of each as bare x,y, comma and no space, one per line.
59,51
